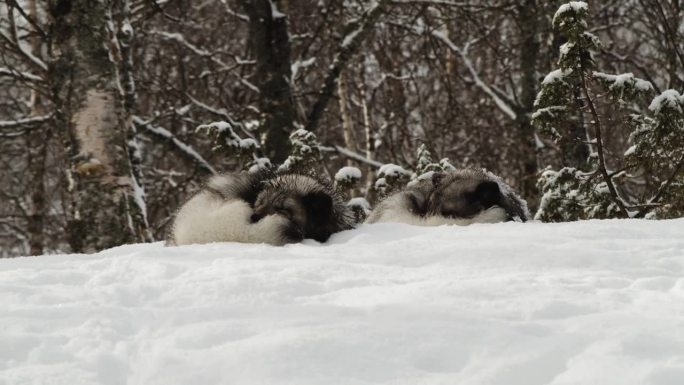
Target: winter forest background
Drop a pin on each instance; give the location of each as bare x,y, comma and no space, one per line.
113,111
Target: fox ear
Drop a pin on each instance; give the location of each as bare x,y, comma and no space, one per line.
317,204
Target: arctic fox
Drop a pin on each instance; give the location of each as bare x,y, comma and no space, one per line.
458,197
261,208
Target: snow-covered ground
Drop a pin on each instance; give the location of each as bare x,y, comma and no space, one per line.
598,302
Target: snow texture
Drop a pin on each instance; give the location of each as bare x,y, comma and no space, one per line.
392,170
421,177
596,302
619,82
463,52
177,142
275,13
556,75
260,164
573,6
550,111
669,98
348,174
360,202
248,144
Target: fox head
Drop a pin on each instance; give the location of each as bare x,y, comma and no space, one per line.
309,205
463,195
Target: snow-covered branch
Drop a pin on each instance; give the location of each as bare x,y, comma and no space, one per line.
24,122
506,106
351,155
222,113
179,38
19,49
184,148
350,44
26,76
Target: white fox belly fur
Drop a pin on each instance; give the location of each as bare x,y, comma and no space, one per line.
208,218
394,210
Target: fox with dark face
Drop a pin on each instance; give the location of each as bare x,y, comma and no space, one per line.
261,208
312,207
459,197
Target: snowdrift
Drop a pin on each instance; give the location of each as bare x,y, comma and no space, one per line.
599,302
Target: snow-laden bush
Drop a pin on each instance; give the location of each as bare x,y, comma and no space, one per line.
360,208
305,152
391,177
347,177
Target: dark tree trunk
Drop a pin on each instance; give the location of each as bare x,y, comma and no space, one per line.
529,21
271,45
37,140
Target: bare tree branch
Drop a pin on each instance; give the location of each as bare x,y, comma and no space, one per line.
350,44
186,150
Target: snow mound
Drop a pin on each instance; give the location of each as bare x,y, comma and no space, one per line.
598,302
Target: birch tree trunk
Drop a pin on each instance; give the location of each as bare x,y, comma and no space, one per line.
106,204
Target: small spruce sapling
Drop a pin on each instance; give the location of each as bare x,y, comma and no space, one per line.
391,178
587,191
425,163
347,178
305,152
425,166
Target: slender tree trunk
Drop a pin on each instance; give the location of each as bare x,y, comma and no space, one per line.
38,138
370,144
271,45
347,124
104,209
529,21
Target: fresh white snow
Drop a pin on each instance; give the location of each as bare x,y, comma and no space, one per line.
599,302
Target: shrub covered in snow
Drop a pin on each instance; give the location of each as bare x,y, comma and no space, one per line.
347,177
360,208
391,177
569,195
305,152
425,163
